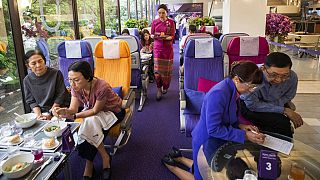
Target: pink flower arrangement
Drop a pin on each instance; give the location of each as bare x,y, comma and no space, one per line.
277,25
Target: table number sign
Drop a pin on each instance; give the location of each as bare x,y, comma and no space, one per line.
268,164
67,140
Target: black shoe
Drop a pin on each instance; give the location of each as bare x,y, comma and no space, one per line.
168,160
175,153
87,177
106,173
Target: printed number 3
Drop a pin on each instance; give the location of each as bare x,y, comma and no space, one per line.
268,166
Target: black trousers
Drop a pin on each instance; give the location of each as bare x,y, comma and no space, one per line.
266,121
88,151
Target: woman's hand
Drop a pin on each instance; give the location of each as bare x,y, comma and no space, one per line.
44,117
252,133
62,112
169,38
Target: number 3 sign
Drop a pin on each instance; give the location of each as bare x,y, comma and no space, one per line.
268,164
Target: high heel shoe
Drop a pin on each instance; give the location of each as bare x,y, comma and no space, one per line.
167,160
159,95
106,172
175,153
89,178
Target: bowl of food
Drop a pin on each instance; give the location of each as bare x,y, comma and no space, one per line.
18,165
55,128
26,120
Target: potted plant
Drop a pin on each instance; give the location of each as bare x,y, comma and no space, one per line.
277,28
131,23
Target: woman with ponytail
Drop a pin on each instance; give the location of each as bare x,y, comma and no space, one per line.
219,119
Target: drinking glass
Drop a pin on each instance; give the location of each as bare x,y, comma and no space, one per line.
6,130
38,154
297,172
250,175
16,129
29,138
12,150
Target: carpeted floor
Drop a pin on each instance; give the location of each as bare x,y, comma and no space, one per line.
155,131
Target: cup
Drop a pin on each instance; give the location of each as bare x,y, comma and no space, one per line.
5,130
250,175
297,172
38,154
16,129
28,138
12,150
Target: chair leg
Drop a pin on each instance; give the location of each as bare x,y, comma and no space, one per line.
115,146
142,100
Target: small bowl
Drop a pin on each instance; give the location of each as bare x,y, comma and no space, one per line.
56,133
31,119
19,158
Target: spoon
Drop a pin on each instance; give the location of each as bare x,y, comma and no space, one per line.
19,116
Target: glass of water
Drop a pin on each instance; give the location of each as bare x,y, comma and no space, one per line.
29,138
250,175
5,130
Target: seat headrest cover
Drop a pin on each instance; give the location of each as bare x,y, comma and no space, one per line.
249,46
204,48
210,28
234,47
111,49
189,49
123,48
73,49
133,31
132,41
85,49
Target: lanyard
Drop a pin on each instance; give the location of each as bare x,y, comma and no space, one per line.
86,103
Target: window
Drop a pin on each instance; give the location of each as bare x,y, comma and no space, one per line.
89,18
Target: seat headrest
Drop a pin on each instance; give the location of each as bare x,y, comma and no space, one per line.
134,31
201,52
123,49
79,49
234,46
189,50
133,42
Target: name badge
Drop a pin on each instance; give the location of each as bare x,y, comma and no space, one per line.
268,164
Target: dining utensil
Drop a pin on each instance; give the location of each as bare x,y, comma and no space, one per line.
21,117
39,169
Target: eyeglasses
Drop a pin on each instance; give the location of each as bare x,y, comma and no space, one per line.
275,75
249,85
75,80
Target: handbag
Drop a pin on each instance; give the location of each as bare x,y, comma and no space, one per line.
67,140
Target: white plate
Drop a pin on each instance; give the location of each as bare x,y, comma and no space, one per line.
5,141
55,145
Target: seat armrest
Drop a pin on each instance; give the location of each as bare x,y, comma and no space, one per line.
125,123
128,100
183,101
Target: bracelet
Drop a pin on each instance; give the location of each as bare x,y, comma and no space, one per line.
74,116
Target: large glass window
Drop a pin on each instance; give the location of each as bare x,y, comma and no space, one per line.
123,12
48,22
111,18
10,94
89,18
139,9
133,9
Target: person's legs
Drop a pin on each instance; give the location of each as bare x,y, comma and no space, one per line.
180,173
88,170
271,122
105,156
88,152
185,161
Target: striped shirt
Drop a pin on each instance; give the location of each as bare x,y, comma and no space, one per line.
99,91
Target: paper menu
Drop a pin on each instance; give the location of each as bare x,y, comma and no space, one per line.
278,144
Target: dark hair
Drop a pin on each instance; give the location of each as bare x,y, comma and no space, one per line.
125,31
236,168
32,53
192,28
163,6
279,60
247,71
143,42
83,67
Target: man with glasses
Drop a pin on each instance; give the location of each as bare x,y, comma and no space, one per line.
269,107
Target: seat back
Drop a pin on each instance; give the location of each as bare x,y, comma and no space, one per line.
117,72
254,49
71,51
226,38
196,36
212,29
135,47
134,32
208,68
43,46
93,40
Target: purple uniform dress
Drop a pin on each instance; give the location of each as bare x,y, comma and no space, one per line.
163,51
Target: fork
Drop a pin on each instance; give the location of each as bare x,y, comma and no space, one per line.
39,169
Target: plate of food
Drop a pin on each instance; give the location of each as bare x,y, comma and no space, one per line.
18,165
55,128
26,120
14,139
50,143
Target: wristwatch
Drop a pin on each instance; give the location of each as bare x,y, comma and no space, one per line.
50,112
74,116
